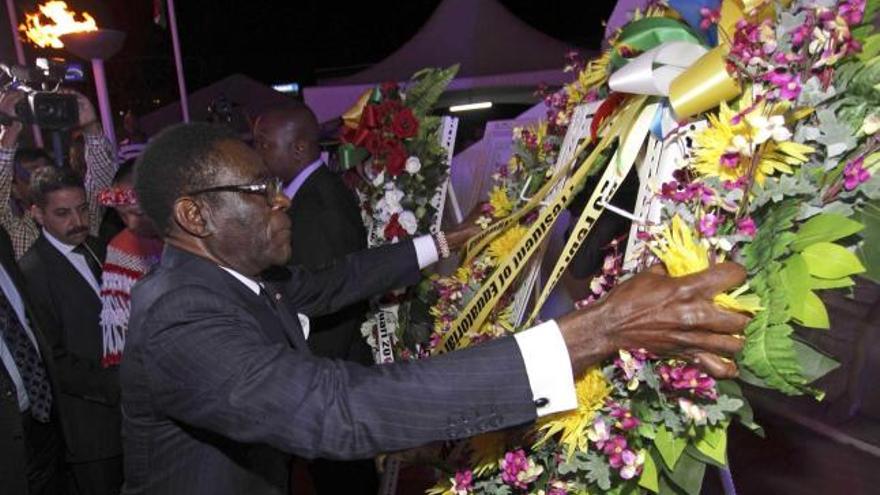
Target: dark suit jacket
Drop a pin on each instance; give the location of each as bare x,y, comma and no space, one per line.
218,387
68,309
13,461
326,225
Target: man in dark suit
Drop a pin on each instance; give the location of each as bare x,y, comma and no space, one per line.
63,273
324,211
219,386
30,439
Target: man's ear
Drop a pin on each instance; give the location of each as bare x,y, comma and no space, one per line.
192,217
37,213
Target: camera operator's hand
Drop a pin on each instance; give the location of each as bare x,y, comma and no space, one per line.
670,317
88,119
9,133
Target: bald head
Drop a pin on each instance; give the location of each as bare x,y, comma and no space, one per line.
287,139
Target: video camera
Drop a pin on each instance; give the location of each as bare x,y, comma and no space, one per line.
44,105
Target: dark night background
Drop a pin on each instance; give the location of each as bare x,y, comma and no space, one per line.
273,42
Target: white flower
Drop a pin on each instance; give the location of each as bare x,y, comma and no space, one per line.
408,221
871,124
764,129
413,165
693,411
379,179
389,204
599,431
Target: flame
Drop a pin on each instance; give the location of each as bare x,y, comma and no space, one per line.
61,21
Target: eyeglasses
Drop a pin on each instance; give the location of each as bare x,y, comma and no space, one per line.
271,189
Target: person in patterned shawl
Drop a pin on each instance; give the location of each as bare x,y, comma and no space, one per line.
130,255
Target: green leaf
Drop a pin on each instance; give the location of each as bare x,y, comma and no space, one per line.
768,353
426,87
813,313
713,443
814,364
649,478
869,249
688,475
870,47
795,278
669,445
745,413
598,471
829,260
827,227
838,283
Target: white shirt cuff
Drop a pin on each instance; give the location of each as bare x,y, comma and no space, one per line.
548,368
426,251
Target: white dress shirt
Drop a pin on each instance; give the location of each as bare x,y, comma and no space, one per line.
543,349
77,260
14,298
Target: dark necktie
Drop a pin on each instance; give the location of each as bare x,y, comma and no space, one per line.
91,260
29,364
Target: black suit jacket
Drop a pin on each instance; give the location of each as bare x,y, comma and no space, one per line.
218,386
13,461
68,309
326,225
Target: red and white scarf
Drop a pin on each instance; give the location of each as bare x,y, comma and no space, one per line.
129,258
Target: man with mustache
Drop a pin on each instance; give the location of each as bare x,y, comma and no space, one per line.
63,273
219,385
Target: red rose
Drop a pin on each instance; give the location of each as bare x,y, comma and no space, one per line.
371,117
405,124
373,143
389,88
387,109
394,229
395,157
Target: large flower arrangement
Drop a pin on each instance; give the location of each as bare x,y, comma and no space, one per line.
405,163
781,179
392,138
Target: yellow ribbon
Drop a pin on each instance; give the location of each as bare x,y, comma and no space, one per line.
352,117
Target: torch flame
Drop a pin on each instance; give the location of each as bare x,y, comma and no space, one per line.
60,21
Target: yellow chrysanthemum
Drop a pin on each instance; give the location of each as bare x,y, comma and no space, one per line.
728,146
486,449
506,242
592,390
594,75
501,203
499,324
463,274
682,255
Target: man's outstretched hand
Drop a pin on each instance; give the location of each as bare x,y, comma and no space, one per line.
467,229
669,317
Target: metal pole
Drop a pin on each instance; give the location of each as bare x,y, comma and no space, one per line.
104,100
19,56
178,61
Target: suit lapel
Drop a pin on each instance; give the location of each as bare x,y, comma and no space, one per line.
292,327
63,268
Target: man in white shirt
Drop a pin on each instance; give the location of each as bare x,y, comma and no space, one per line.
63,272
30,437
219,387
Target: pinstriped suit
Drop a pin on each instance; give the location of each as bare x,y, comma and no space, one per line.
219,387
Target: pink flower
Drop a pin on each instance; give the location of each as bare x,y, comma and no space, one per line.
709,224
463,482
709,17
730,159
517,470
855,173
614,449
789,84
632,464
746,226
625,419
852,11
686,378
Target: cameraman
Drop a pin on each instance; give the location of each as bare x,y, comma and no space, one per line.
100,168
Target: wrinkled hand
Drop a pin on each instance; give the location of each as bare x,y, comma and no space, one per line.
670,317
464,231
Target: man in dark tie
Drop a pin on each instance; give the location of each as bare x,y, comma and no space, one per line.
219,387
32,462
324,211
63,272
